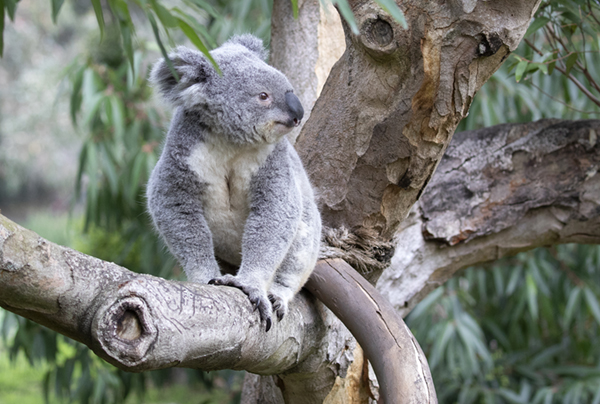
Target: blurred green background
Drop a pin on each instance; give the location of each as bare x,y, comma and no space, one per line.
80,132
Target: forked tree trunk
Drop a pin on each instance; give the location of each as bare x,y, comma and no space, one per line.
387,111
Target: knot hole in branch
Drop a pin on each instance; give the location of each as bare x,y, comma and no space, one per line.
378,36
488,44
378,31
125,329
128,326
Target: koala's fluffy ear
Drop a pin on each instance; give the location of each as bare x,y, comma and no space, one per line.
191,67
251,42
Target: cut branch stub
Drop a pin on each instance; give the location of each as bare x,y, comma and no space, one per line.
125,330
392,102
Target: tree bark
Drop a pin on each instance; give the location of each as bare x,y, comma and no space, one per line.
498,191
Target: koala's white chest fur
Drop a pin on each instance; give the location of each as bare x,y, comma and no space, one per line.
226,171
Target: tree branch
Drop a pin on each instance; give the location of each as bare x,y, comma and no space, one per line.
140,322
498,191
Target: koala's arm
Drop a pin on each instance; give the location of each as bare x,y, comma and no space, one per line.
275,214
173,201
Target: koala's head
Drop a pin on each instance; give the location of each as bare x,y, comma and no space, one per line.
250,102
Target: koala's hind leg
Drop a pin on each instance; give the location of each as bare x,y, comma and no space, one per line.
297,266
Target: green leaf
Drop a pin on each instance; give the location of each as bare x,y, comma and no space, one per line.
390,7
136,174
118,116
161,46
126,36
551,66
596,399
532,296
195,26
11,7
592,303
295,8
99,16
164,15
203,5
536,24
521,67
347,14
571,61
76,98
515,278
56,5
572,303
189,32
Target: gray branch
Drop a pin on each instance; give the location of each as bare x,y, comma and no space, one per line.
498,191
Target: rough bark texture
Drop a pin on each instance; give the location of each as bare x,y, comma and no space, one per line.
498,191
391,103
141,322
308,46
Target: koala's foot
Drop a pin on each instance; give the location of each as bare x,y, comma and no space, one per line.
280,307
257,296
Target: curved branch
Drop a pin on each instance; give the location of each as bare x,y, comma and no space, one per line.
399,363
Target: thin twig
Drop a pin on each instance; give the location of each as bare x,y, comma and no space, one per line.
579,85
583,68
561,101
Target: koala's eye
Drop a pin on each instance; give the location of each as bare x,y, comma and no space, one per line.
263,96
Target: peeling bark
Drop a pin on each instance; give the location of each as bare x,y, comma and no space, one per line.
498,191
391,103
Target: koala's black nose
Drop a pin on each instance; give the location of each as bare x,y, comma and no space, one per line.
295,107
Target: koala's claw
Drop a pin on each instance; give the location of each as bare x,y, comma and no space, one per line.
257,298
279,306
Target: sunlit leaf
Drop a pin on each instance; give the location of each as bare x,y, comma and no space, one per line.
570,62
521,67
390,7
592,303
532,296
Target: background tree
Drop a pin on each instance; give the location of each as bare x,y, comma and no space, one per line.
399,296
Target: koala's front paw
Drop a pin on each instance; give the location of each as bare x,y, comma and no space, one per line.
257,296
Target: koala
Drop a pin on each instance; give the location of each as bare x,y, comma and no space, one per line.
229,188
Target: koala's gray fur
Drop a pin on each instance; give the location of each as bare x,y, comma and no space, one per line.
228,184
